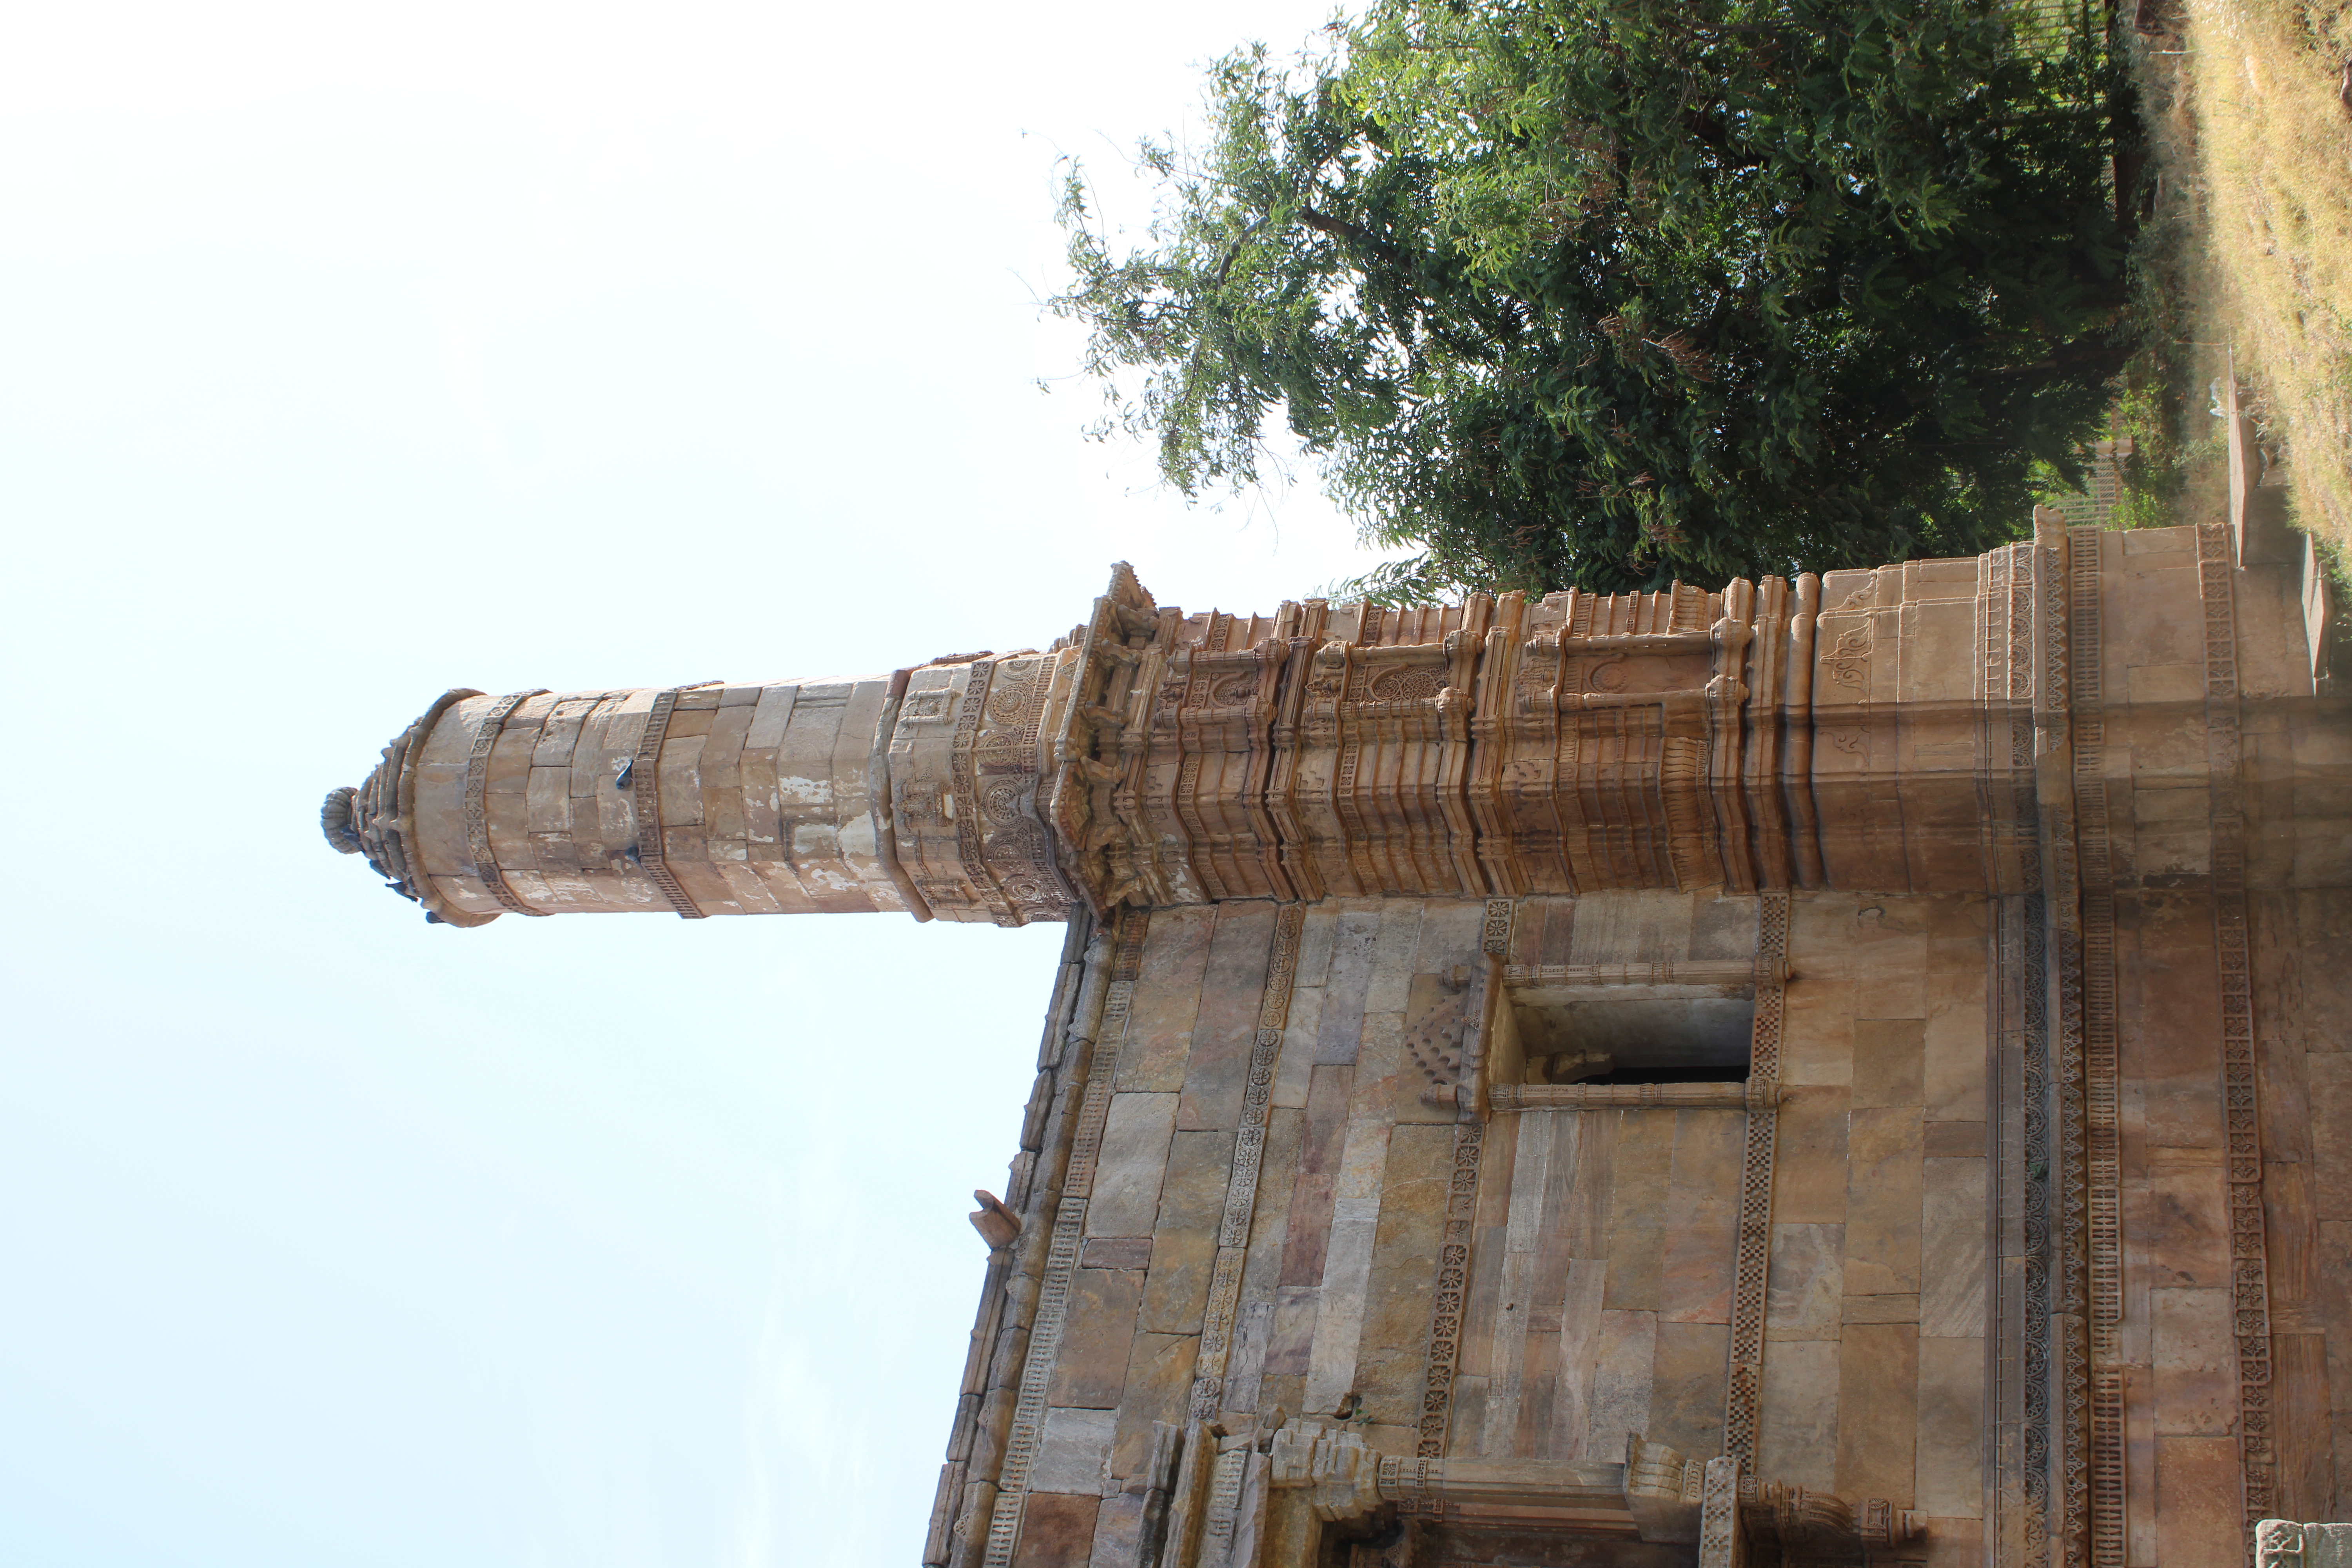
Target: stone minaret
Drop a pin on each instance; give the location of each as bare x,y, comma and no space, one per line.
1772,735
915,791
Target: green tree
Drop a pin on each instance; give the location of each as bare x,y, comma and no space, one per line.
1605,292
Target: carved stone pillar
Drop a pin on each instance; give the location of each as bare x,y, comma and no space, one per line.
1722,1541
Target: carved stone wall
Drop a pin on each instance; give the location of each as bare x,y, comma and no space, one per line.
2014,1244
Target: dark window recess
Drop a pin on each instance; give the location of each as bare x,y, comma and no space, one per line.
1648,1040
1718,1073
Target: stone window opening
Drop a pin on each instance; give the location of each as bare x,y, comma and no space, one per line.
1622,1040
1582,1036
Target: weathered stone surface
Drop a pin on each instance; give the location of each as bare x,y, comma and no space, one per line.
1895,1308
1349,976
1116,1252
1393,1341
1882,1201
1954,1139
1878,1411
1809,1167
2199,1511
1687,1386
1949,1458
1702,1219
2179,1223
1118,1528
1073,1454
1640,1186
1307,1244
1159,1376
1166,1001
1954,1223
1798,1440
1057,1530
1184,1232
1225,1027
1889,1062
2196,1362
1817,1040
1348,1264
2328,1071
2306,1487
1091,1370
1625,1362
1133,1165
1808,1275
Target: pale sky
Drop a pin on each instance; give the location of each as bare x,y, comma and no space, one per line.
348,354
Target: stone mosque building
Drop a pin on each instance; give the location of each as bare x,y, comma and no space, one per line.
1830,1071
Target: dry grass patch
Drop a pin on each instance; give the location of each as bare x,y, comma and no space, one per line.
2253,130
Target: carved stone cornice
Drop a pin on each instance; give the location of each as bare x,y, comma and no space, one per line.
1732,1096
1344,1480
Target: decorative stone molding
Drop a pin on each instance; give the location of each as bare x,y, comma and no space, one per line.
1345,1479
2096,1465
1800,1521
1728,977
1880,1525
1240,1184
1449,1292
1494,935
1732,1096
377,820
1722,1542
1743,1392
645,784
2249,1254
1338,1475
1665,1491
2285,1543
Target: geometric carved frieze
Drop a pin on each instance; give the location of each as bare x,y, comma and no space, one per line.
1450,1291
1242,1181
2241,1110
1753,1247
2091,1102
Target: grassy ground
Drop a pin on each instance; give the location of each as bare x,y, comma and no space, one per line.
2246,264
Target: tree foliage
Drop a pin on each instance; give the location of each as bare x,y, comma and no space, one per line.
1605,292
